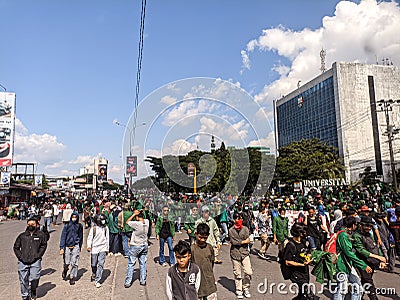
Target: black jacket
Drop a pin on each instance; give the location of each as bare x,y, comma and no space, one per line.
29,248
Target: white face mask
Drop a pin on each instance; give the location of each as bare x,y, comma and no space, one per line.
103,222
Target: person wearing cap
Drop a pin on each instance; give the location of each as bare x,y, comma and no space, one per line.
367,250
213,239
365,211
112,224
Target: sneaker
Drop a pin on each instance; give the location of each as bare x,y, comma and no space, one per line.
239,294
110,254
143,284
71,281
164,264
126,285
98,284
226,243
118,254
93,277
246,293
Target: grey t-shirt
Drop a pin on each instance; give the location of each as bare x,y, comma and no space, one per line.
139,233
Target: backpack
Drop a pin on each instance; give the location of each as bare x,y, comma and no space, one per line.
330,246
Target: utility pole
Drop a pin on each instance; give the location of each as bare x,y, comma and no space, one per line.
386,106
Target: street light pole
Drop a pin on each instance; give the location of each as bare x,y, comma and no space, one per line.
387,106
130,141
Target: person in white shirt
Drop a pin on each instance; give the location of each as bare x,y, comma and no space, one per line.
56,212
48,214
98,245
66,217
138,248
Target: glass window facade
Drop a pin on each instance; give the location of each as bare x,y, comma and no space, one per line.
309,115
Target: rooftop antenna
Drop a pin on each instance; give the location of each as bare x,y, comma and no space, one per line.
322,54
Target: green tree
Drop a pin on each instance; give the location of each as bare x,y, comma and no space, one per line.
308,159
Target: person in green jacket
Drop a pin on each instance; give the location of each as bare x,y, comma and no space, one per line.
113,229
190,222
280,229
347,262
367,249
125,229
165,232
224,221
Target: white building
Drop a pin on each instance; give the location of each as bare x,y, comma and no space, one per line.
341,108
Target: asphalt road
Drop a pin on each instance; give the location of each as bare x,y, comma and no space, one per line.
53,287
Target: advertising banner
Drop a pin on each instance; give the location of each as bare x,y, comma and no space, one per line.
59,183
131,165
5,179
191,169
38,180
102,173
7,124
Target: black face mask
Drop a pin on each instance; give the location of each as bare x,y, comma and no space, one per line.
31,228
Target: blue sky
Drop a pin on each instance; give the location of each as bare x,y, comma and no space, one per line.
72,63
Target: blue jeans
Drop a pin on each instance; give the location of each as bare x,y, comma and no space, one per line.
314,242
170,249
125,239
29,274
225,231
342,287
140,253
71,257
97,262
47,222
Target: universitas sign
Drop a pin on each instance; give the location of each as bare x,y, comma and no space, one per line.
325,182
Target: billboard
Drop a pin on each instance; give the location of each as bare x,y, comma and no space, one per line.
7,124
131,165
38,180
102,173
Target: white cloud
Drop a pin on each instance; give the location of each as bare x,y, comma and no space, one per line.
83,160
356,32
43,149
245,61
269,141
168,100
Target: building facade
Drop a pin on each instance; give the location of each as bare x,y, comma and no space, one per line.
340,107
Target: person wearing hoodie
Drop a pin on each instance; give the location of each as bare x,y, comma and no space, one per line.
98,242
338,215
70,246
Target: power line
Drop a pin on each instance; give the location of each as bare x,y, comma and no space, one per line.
139,66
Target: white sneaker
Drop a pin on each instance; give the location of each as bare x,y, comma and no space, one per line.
164,264
246,293
117,254
98,284
239,294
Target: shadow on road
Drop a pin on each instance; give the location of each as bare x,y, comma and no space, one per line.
227,283
44,289
47,271
81,272
106,274
157,259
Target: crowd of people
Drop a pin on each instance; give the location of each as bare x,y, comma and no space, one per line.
359,229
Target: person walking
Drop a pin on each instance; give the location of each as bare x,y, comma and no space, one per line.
47,215
213,238
240,256
126,231
29,248
70,247
138,247
165,232
190,221
98,242
280,229
346,263
114,230
56,212
263,227
203,256
67,212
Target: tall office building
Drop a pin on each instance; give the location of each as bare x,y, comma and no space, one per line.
340,107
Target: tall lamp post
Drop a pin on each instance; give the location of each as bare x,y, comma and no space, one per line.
130,141
386,106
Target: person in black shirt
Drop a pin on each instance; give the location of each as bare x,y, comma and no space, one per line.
29,248
296,261
165,231
313,229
